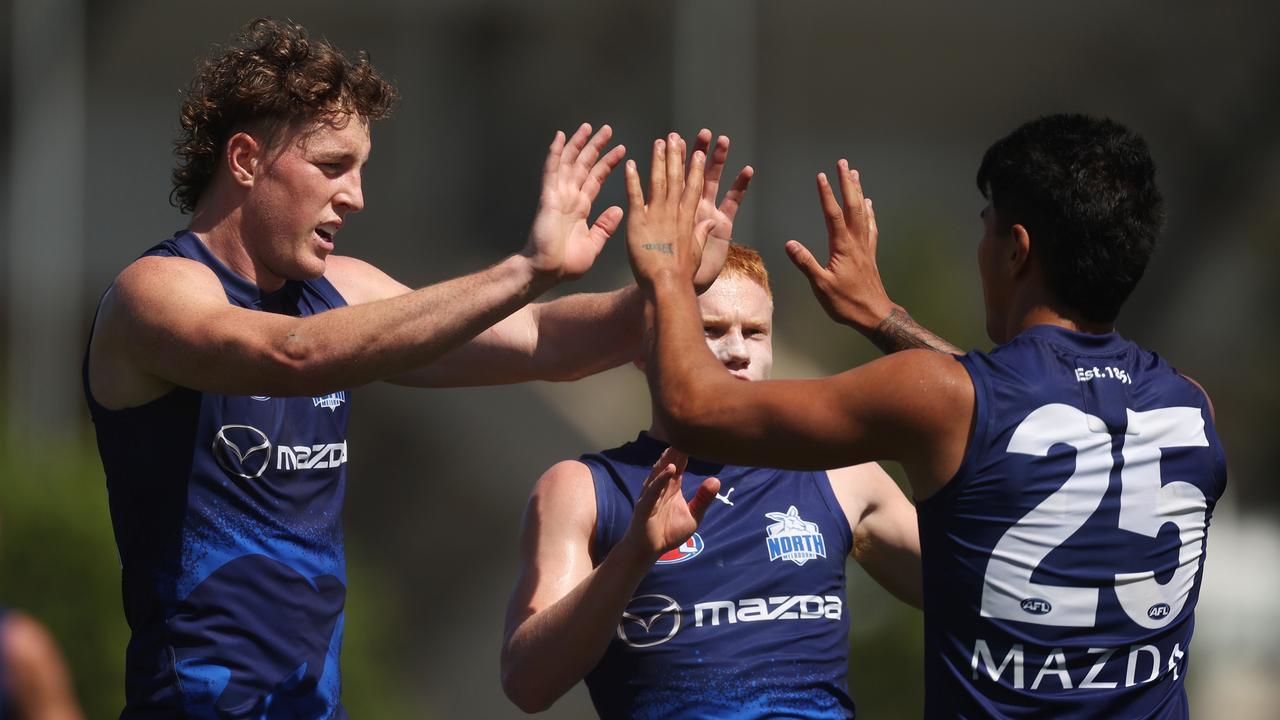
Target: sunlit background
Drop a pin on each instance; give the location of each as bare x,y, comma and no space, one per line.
911,92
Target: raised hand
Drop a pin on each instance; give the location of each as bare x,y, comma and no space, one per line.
662,519
662,236
848,287
717,245
561,244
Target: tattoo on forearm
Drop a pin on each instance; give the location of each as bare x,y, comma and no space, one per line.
899,332
664,248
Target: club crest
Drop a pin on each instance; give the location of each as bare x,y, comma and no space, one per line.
793,538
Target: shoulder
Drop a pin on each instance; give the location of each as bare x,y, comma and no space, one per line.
915,386
1208,401
155,287
359,281
566,493
153,272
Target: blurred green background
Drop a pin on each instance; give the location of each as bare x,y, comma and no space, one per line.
911,92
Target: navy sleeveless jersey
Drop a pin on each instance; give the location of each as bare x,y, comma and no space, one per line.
1062,563
227,514
747,618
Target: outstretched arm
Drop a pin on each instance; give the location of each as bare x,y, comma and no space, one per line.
910,406
849,285
166,321
570,337
563,612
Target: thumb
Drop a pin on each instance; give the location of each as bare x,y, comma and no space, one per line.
701,231
702,498
605,225
804,260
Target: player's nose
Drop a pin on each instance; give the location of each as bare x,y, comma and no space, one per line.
351,197
733,350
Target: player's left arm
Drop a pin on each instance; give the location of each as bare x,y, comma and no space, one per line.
38,678
914,406
886,537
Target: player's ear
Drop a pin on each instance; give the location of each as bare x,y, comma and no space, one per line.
1019,258
243,156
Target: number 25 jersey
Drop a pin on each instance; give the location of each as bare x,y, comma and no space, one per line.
1063,561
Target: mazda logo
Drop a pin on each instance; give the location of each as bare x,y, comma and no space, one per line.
649,620
242,450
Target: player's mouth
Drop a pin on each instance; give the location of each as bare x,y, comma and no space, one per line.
325,233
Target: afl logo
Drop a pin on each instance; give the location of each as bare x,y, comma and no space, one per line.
1037,606
649,620
242,450
687,550
1157,611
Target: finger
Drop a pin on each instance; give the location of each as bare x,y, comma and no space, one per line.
715,168
654,487
702,141
851,189
675,167
574,146
587,158
635,195
553,158
601,171
702,498
675,457
693,190
873,232
831,212
714,251
804,260
658,171
604,227
733,198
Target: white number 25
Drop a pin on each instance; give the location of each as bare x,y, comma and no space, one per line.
1145,506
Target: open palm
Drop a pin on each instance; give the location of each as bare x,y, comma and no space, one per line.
562,243
662,517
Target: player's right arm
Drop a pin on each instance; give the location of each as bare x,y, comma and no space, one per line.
166,322
563,611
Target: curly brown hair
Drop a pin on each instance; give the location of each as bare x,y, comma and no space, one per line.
272,77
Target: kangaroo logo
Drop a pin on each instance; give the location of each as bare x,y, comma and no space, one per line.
793,538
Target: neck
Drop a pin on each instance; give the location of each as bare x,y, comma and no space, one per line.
220,226
1039,310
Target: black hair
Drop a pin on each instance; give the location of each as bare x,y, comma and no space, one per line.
1085,190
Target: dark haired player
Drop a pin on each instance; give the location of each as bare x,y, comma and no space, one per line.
219,362
744,618
1064,481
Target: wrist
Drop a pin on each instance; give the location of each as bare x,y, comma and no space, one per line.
537,279
635,555
869,321
662,281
